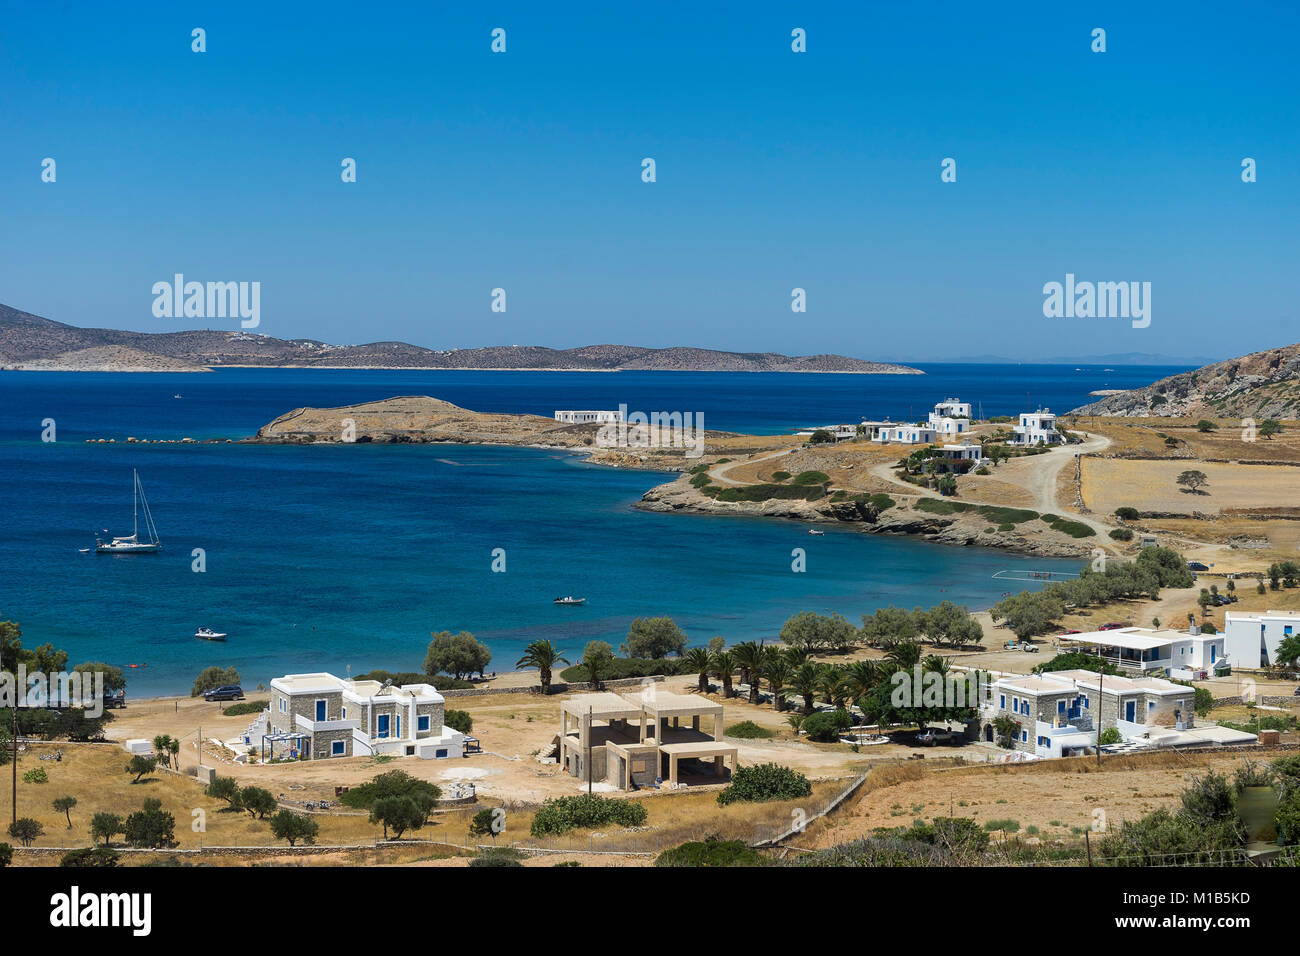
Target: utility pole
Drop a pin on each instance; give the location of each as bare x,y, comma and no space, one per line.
589,711
1101,674
15,765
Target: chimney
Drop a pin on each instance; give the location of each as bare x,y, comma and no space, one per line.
1194,630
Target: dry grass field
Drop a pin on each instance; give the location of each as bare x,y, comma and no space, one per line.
1110,483
1050,800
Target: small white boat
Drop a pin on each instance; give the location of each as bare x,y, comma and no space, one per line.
131,544
570,600
208,634
815,531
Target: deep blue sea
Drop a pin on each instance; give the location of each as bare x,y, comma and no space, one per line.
330,557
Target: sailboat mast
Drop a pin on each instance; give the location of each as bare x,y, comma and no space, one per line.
135,501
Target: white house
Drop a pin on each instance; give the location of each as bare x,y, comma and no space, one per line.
893,433
838,432
1253,639
950,417
588,416
1060,713
966,451
1142,650
1037,428
314,716
951,408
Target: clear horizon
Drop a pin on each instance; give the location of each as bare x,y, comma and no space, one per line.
775,170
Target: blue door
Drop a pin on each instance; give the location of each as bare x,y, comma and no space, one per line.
1130,711
1212,656
383,726
320,710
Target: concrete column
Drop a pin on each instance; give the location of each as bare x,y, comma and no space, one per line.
717,766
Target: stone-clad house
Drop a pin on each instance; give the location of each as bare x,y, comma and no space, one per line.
315,716
1058,711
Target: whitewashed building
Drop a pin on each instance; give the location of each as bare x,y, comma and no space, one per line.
894,433
588,416
966,451
1253,639
1062,713
951,417
1037,428
315,716
1143,650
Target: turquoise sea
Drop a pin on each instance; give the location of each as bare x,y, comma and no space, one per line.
349,556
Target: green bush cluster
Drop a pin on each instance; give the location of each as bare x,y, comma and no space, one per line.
762,782
711,852
562,814
826,726
623,667
748,730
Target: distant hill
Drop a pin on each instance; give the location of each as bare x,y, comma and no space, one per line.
29,341
1260,385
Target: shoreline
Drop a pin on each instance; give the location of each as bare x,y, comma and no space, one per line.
460,368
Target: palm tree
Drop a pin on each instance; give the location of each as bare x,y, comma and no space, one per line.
805,682
904,654
797,657
777,671
860,680
830,683
697,659
749,658
543,655
723,666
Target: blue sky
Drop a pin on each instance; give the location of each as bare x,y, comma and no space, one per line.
775,170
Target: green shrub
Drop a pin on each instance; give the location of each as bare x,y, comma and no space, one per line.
826,726
1009,825
240,708
562,814
780,475
497,856
748,730
762,782
459,720
811,478
88,856
711,852
1110,735
1075,529
36,775
937,507
768,492
623,667
394,783
1127,514
1121,534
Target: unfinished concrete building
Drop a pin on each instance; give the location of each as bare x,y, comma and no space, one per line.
637,741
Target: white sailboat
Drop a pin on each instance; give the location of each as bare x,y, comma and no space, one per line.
132,544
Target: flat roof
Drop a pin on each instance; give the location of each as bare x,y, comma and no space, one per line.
1130,638
667,704
603,705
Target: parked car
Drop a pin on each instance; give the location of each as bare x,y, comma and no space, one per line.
1297,692
1029,648
935,736
1111,627
1010,646
113,700
225,692
1197,566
